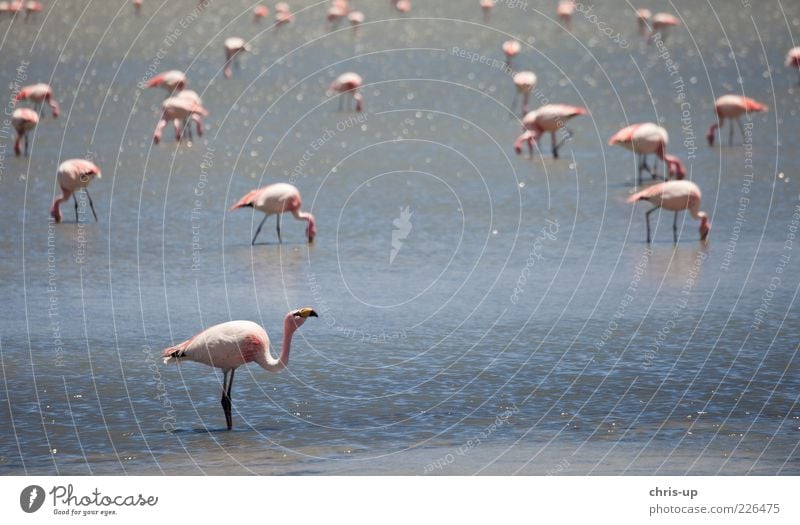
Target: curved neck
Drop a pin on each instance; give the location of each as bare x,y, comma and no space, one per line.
276,365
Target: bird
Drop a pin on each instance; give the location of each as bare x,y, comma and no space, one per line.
259,13
23,120
643,17
732,107
230,345
276,199
31,7
645,139
793,58
486,7
73,175
348,83
564,10
283,14
524,81
661,22
402,6
39,94
137,7
179,110
674,195
511,48
170,80
337,12
547,119
233,46
356,18
190,94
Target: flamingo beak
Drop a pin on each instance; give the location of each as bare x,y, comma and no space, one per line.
306,313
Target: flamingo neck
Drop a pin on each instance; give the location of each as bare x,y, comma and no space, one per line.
311,229
276,365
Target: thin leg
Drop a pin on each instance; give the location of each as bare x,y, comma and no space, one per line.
26,144
258,230
741,128
555,144
730,135
567,136
278,227
675,229
530,147
226,399
229,418
647,219
91,204
74,198
513,101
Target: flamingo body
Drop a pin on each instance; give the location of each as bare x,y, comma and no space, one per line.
173,80
547,119
674,195
178,110
23,121
39,94
74,175
348,83
276,199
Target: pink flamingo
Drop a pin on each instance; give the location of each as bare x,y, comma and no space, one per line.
402,6
137,7
170,80
793,58
356,18
565,10
233,46
732,107
31,7
643,17
486,7
547,119
235,343
337,12
283,14
645,139
73,175
674,195
260,12
23,120
192,96
179,110
348,83
276,199
661,22
38,94
524,81
511,48
5,8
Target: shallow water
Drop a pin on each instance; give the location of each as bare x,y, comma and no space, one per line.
610,357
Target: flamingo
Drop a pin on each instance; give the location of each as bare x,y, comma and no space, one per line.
191,95
564,11
5,7
524,81
178,110
793,58
31,7
23,120
73,175
137,7
276,199
643,17
336,12
233,46
645,139
38,94
356,18
511,48
348,83
547,119
260,12
674,195
402,6
235,343
661,22
283,14
170,80
486,7
732,107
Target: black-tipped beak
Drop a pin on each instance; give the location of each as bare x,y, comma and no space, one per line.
313,314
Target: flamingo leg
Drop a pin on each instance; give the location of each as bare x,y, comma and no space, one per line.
26,144
647,220
258,230
730,134
226,398
741,128
91,204
525,98
556,146
675,229
75,198
514,101
278,228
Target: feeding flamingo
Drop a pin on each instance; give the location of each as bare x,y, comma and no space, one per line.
283,14
645,139
194,97
793,58
674,195
179,110
732,107
524,82
23,120
565,10
511,48
337,12
38,94
643,19
486,7
276,199
31,7
170,80
73,175
259,13
348,83
547,119
233,46
235,343
661,22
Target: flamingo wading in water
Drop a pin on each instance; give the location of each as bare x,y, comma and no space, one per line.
547,119
23,120
348,83
732,107
172,81
180,110
233,46
645,139
39,94
235,343
276,199
793,58
73,175
674,195
524,82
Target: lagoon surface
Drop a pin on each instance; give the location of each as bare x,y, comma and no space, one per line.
520,325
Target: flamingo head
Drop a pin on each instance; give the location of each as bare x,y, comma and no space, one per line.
675,167
705,226
296,318
311,228
55,211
